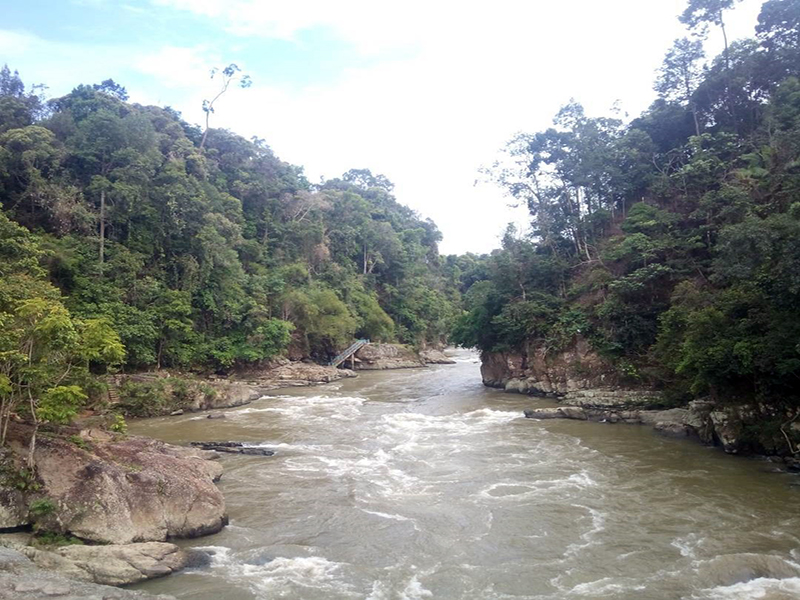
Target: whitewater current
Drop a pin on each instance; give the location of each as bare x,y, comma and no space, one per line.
422,483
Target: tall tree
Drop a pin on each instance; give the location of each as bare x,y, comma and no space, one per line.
680,73
228,75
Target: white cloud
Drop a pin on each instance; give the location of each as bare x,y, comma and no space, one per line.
14,43
470,75
478,74
177,67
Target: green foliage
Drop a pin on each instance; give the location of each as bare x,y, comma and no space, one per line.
79,442
51,539
172,251
119,425
671,244
41,507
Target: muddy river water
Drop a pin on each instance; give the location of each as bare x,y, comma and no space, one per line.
422,483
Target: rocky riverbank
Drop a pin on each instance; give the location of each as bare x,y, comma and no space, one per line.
163,393
587,388
376,357
20,577
117,498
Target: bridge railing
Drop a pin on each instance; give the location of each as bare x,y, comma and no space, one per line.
352,349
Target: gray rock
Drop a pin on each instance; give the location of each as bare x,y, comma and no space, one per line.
113,564
387,356
13,509
560,412
727,430
234,448
130,490
20,578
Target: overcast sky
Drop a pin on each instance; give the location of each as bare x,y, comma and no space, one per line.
424,92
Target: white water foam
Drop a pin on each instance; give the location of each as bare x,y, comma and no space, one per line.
688,545
768,589
277,577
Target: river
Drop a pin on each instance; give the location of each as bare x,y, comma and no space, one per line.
422,483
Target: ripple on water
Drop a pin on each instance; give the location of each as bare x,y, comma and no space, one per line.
430,467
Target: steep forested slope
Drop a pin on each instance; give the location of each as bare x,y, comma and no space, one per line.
207,258
672,243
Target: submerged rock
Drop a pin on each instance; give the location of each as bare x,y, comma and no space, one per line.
234,448
729,569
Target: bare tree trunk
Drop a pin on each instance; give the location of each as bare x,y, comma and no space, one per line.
32,445
102,227
205,133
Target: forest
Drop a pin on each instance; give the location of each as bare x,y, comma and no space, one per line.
671,243
131,240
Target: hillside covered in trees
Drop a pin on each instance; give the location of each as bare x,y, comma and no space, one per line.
671,243
128,237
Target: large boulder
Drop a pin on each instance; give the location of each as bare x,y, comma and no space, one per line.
387,356
286,374
113,564
129,489
432,356
20,578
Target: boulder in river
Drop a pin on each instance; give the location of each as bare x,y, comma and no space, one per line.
129,489
21,578
375,357
560,412
729,569
234,448
113,564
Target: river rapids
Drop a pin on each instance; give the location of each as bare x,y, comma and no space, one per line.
421,483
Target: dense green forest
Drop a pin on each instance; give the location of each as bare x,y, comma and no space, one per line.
130,239
671,243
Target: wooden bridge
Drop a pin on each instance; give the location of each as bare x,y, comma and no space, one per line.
351,350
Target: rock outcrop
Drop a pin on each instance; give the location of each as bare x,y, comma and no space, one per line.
21,578
541,373
124,490
234,448
111,565
387,356
432,356
703,420
283,374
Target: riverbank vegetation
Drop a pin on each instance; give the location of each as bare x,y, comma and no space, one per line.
133,240
671,243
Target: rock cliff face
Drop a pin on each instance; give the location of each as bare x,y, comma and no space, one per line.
119,490
589,389
542,374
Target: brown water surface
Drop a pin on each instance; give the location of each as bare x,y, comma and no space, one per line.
422,483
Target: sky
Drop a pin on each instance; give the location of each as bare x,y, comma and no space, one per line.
423,92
